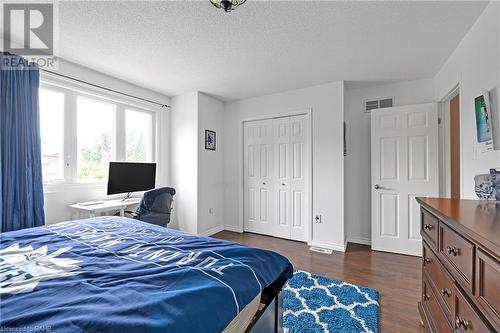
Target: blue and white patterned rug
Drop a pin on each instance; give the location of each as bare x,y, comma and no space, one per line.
316,304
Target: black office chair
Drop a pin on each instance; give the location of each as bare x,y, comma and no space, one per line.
155,206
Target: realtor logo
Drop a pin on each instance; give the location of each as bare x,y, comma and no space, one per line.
29,28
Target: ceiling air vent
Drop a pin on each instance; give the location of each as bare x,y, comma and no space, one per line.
378,103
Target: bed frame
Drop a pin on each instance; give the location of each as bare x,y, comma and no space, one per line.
269,317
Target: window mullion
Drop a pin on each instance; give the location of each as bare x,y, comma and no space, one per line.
153,150
70,137
119,144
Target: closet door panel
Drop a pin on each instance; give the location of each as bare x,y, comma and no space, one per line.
250,169
258,177
299,176
282,209
276,171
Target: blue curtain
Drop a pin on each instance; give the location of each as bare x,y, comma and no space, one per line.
21,188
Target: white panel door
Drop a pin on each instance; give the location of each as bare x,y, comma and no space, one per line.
283,211
404,165
276,175
299,171
258,177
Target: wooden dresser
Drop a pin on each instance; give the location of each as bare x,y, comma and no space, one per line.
460,265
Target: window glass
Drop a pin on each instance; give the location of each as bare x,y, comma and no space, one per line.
138,136
95,123
52,134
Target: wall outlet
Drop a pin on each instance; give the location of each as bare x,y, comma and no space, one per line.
317,218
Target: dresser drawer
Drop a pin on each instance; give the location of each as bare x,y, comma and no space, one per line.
440,279
429,228
466,318
438,321
459,252
488,285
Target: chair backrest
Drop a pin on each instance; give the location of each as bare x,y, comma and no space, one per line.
156,205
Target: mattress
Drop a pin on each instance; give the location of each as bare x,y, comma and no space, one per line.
114,274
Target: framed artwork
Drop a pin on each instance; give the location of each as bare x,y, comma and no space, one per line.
483,122
209,140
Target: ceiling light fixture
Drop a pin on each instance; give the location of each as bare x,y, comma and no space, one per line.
227,5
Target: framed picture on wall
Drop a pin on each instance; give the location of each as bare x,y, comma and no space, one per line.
483,122
209,140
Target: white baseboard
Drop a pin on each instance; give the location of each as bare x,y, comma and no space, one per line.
212,231
233,228
327,245
360,240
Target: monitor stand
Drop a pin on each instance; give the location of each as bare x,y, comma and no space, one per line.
127,196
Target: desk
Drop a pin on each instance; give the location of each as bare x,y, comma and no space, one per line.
105,206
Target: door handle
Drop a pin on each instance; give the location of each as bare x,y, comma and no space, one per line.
263,183
378,187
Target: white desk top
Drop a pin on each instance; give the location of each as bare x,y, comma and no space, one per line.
106,205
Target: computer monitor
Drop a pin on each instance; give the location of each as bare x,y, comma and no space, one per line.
127,177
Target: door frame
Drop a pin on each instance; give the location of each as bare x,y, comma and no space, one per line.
444,141
241,174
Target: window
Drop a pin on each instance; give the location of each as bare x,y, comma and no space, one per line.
52,134
94,139
138,136
82,131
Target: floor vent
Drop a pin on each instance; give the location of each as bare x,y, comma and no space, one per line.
320,250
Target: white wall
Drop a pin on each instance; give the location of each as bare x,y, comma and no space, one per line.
184,161
326,102
358,160
197,174
210,166
57,198
475,64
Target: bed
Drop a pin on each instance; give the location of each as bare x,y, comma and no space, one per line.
114,274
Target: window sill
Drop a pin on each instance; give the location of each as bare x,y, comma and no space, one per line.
58,188
64,187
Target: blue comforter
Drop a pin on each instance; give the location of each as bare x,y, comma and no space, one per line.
111,274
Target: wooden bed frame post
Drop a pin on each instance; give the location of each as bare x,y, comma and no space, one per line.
270,318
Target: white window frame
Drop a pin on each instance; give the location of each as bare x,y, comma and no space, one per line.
153,139
71,92
65,148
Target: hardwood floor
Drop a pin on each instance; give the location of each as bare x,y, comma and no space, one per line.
396,277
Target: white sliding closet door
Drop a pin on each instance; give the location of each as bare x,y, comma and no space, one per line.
276,189
258,173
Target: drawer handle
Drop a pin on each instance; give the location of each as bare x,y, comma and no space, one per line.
426,297
461,323
428,227
445,292
425,261
452,250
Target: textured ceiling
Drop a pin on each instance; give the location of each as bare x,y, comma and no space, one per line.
262,47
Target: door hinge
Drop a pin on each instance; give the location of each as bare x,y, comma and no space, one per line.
439,121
